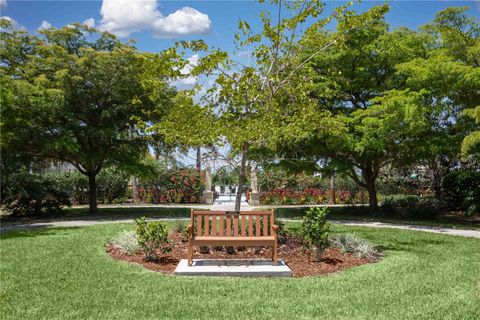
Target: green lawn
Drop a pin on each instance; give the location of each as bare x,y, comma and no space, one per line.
64,273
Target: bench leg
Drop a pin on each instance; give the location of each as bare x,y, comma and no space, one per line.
274,254
190,254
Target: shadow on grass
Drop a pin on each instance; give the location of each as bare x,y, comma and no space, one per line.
37,231
102,214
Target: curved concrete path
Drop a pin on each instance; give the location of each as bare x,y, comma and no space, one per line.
83,223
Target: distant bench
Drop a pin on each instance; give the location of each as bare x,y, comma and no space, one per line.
232,228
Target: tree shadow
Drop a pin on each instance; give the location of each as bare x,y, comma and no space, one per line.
35,231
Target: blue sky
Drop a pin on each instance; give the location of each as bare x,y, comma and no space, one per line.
223,16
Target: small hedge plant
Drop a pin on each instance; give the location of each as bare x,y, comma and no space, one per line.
126,242
315,230
151,236
350,243
461,190
426,207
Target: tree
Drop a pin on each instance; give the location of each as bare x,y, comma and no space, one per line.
376,121
74,94
448,77
258,105
452,74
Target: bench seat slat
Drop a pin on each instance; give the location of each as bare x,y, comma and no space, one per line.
229,226
235,225
221,227
250,226
199,225
257,226
265,225
206,227
214,226
243,227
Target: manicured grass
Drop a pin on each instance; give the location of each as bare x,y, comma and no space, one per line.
364,215
64,273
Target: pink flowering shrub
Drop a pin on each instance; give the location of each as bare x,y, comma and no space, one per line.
281,196
175,186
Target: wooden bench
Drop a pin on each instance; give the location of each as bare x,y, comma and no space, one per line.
232,228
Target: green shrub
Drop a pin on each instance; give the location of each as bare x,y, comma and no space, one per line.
412,206
315,230
151,236
348,243
111,185
461,190
400,201
23,193
126,242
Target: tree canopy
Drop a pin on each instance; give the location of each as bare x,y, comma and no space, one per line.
76,95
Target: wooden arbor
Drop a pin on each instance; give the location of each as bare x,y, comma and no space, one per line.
236,228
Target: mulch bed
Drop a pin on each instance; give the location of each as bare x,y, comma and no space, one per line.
290,251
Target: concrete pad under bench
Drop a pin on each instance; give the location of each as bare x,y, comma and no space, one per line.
233,268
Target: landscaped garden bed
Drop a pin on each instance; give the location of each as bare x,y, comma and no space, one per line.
337,253
290,249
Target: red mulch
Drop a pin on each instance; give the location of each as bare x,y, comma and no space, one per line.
292,253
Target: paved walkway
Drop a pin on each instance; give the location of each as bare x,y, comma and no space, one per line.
83,223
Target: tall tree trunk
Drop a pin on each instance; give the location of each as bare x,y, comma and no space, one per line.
241,178
135,190
331,192
92,192
369,177
199,159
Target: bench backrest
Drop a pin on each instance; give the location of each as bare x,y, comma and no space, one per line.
232,224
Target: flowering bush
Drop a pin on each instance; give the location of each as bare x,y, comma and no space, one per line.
307,196
176,186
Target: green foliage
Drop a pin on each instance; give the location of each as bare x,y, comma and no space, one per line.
422,207
152,236
126,242
315,230
81,96
461,190
111,185
471,143
225,177
23,193
183,185
350,243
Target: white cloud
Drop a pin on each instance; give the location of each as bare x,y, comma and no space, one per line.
15,24
45,25
124,17
182,22
191,80
90,22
